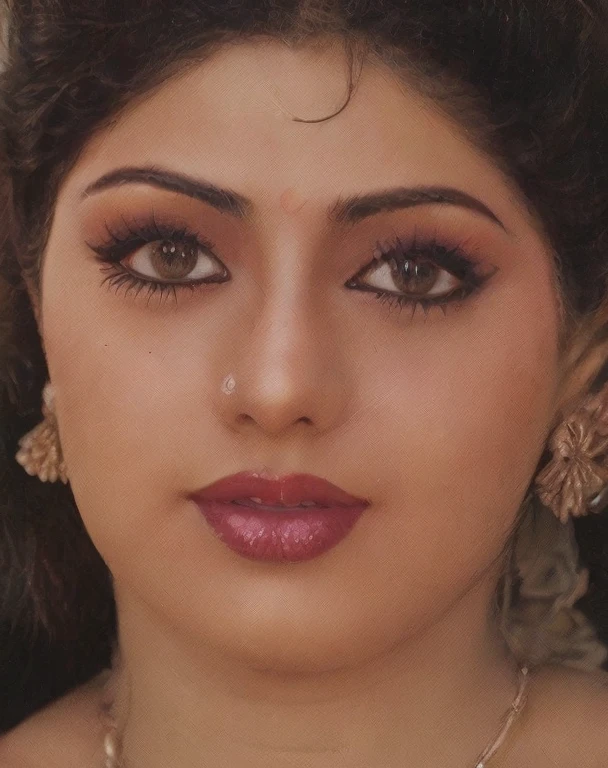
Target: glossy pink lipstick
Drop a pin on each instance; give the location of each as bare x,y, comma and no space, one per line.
289,519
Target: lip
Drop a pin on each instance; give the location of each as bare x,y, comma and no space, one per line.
288,489
279,535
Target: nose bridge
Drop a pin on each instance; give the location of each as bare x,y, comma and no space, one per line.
289,358
287,328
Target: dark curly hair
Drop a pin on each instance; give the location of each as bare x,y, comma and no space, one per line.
528,80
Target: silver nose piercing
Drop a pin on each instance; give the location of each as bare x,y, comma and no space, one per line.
228,384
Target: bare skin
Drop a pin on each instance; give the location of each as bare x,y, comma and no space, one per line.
563,724
382,653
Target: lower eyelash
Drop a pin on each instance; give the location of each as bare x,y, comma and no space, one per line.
453,260
426,304
119,277
121,245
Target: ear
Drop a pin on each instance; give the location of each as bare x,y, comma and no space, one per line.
586,356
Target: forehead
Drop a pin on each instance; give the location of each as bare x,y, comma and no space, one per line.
229,119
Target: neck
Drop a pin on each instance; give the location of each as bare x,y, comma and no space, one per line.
436,699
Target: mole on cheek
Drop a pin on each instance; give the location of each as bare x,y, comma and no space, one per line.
291,202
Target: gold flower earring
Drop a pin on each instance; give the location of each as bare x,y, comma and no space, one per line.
575,481
40,450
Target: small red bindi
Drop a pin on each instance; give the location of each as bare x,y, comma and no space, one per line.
291,201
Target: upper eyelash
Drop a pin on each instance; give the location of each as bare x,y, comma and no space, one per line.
454,260
120,245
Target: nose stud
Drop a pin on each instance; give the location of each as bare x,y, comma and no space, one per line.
228,384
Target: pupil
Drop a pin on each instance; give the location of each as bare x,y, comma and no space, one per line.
175,261
417,276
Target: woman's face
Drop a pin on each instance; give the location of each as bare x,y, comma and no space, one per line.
438,417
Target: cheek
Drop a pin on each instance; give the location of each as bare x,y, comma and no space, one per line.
464,414
128,389
447,420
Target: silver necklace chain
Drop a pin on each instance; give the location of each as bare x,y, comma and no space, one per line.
112,757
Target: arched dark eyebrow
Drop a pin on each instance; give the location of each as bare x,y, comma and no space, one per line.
345,210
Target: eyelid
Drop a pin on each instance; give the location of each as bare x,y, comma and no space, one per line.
443,251
453,260
446,253
121,243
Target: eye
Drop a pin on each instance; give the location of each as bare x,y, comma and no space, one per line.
427,273
420,278
171,260
161,258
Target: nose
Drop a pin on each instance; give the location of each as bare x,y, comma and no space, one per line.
286,368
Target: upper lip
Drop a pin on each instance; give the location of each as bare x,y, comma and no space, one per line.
288,489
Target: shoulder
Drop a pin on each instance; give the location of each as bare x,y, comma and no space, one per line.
66,733
571,693
566,721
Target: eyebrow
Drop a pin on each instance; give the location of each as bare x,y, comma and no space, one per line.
348,210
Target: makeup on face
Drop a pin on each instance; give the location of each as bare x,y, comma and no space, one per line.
279,519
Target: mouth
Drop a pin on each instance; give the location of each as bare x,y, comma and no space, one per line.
278,532
256,503
274,493
268,518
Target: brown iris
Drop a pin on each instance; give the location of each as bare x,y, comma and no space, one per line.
414,277
172,261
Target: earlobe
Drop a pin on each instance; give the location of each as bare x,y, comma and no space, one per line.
586,358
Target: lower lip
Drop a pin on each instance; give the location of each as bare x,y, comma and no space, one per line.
290,536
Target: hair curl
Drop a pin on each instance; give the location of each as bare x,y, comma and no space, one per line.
527,80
